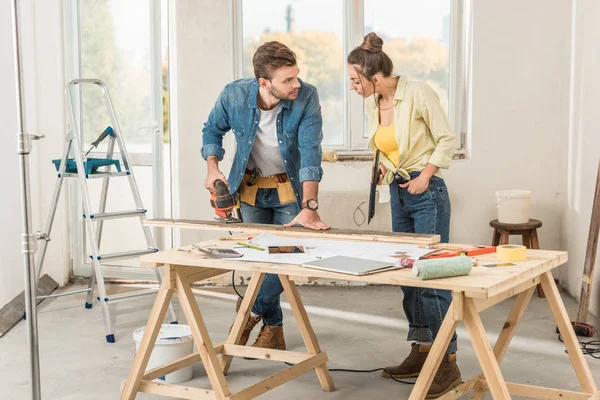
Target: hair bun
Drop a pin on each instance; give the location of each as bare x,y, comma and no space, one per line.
372,43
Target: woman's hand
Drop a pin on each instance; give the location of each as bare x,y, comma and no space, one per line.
382,172
417,185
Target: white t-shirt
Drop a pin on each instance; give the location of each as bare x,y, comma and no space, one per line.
265,152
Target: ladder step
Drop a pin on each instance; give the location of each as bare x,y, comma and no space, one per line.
133,293
97,174
124,254
117,214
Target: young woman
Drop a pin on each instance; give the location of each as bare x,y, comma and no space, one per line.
410,129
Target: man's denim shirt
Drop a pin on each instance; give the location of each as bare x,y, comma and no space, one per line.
299,131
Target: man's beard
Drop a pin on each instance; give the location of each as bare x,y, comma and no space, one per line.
279,94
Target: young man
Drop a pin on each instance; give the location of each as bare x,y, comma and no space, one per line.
276,120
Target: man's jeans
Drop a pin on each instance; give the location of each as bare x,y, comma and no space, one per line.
268,210
428,212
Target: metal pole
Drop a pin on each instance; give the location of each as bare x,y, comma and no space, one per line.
29,243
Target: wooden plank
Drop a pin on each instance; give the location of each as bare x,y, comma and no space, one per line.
292,357
173,366
530,273
596,396
434,358
242,317
280,378
142,356
13,312
202,338
458,300
202,275
590,254
539,392
582,370
512,321
181,392
306,330
484,352
508,331
347,234
460,390
483,304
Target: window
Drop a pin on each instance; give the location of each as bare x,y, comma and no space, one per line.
315,37
425,39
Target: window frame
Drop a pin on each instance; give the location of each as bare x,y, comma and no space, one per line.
355,144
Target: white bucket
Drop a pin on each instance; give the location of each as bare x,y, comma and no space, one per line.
173,342
513,206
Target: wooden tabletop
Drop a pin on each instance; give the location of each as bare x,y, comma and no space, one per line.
481,283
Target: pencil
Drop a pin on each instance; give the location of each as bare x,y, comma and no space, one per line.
250,246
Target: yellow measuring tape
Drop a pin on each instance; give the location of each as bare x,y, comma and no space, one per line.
510,252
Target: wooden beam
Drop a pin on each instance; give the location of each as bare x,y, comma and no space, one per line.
306,330
347,234
539,392
159,310
237,329
434,358
460,390
484,352
293,357
483,304
458,302
13,312
582,370
590,255
173,366
280,378
201,338
507,333
180,392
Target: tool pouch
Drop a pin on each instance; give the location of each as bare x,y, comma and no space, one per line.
248,192
285,192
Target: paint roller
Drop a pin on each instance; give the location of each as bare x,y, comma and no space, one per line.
442,268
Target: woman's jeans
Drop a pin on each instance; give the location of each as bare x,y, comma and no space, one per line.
429,213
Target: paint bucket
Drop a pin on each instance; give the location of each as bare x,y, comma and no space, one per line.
513,206
173,342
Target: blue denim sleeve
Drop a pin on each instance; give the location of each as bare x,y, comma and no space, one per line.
310,136
214,129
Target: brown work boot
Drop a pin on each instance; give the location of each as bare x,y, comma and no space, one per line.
411,366
250,324
446,378
270,337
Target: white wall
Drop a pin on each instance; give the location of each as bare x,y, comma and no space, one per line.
199,70
42,39
584,145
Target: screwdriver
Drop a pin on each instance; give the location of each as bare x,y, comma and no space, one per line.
103,135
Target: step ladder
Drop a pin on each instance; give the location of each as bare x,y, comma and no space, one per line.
83,169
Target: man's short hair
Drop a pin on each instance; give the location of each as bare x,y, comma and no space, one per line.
271,56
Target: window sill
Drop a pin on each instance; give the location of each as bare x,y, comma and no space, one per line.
365,155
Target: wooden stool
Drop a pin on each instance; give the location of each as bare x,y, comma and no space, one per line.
528,231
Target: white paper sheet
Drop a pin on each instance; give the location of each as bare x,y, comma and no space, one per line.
320,248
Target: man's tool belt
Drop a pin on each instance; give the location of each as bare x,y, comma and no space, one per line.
251,183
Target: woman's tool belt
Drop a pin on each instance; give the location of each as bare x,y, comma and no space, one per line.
251,183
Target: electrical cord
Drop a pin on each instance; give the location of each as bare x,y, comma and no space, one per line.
589,348
364,217
330,369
